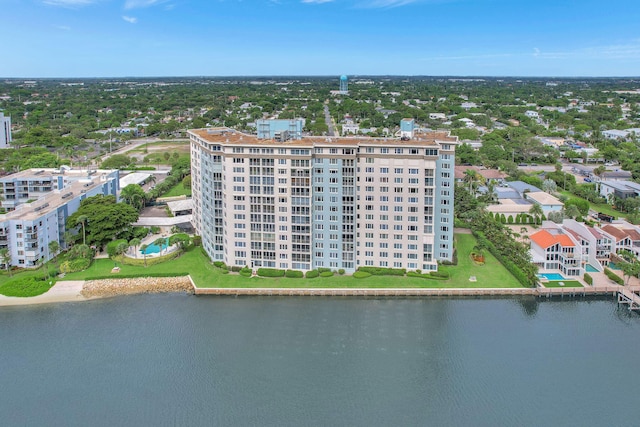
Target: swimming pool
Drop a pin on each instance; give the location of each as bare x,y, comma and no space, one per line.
152,248
613,266
551,276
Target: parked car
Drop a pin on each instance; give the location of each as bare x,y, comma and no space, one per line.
587,180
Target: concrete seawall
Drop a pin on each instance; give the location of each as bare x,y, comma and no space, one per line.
400,292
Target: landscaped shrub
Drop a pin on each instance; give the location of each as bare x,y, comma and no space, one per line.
75,264
424,276
361,274
155,229
503,219
197,240
235,268
326,274
219,264
113,245
294,274
588,278
323,269
613,276
341,271
510,219
270,272
442,274
311,274
383,271
140,232
245,271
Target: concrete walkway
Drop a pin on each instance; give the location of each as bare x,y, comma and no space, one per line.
62,291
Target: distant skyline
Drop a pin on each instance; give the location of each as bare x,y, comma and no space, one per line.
147,38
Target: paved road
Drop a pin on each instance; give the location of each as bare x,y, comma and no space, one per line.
329,121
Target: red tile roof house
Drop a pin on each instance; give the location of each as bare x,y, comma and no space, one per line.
554,250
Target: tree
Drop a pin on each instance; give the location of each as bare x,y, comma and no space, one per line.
82,220
5,254
135,242
630,265
571,211
133,195
54,247
549,186
160,242
143,248
166,156
536,212
106,219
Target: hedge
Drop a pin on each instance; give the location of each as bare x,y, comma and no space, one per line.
341,271
381,271
440,274
361,274
326,274
246,272
424,276
323,269
311,274
588,278
294,274
613,276
270,272
219,264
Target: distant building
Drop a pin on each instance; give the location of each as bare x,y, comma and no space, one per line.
5,131
406,128
280,129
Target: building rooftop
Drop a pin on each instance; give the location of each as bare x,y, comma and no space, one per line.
543,198
617,233
233,137
544,239
53,200
134,178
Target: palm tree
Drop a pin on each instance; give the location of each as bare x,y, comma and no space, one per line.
68,238
536,211
82,219
54,247
135,242
6,259
470,177
160,242
143,248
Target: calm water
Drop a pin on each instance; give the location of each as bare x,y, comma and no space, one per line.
210,361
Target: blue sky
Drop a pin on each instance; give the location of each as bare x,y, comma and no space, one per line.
118,38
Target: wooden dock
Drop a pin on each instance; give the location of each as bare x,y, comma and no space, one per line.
630,298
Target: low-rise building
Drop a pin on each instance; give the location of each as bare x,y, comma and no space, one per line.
28,228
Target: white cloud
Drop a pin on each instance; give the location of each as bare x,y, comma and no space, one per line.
130,19
536,51
69,3
138,4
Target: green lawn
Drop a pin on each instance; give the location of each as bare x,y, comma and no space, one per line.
205,275
178,190
567,284
18,286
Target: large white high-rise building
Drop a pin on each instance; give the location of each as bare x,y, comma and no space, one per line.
5,131
337,203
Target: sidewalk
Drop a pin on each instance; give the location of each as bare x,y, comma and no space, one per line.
62,291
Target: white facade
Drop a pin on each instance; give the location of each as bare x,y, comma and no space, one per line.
324,203
28,228
5,131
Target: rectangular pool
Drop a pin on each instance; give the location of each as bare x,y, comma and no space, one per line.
551,276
